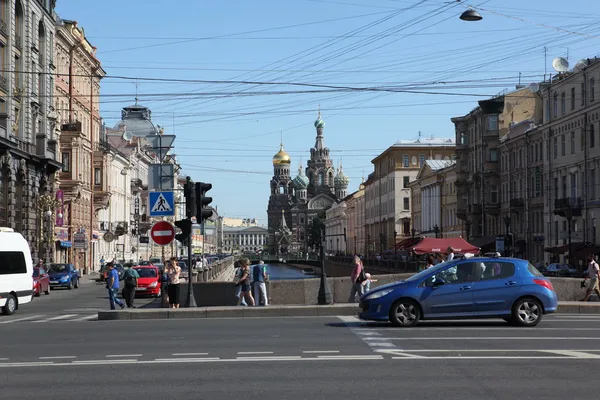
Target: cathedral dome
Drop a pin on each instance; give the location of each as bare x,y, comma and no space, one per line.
341,181
282,157
319,123
301,181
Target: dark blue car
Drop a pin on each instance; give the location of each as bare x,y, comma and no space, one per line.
63,275
508,288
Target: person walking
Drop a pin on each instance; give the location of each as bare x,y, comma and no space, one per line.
112,284
594,277
259,277
237,274
164,287
357,278
174,271
130,277
245,281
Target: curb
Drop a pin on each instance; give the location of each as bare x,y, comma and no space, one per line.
567,307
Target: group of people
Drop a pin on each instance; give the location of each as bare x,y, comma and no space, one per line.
438,258
245,278
169,277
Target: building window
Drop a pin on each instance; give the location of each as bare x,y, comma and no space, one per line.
555,108
66,161
592,184
405,161
592,136
97,176
563,103
555,147
494,194
405,181
421,159
563,145
493,155
582,139
572,98
583,93
493,122
406,204
592,89
572,142
464,139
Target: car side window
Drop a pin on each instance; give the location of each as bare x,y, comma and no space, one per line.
491,270
456,274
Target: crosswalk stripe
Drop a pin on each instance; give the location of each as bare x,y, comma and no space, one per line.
56,318
86,318
10,321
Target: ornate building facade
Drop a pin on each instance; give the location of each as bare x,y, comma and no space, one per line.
294,203
28,135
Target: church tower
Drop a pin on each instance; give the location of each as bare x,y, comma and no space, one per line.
280,200
341,184
320,169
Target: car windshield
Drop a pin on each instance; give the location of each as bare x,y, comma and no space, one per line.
146,272
58,268
428,271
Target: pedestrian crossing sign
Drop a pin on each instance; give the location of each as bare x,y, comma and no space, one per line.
162,204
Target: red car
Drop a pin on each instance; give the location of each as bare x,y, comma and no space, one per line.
149,282
41,281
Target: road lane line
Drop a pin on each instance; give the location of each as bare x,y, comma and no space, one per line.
123,355
402,353
86,318
27,364
320,351
189,354
106,362
578,354
195,359
4,359
488,358
10,321
367,333
55,318
254,352
382,344
57,357
274,358
358,357
483,350
484,338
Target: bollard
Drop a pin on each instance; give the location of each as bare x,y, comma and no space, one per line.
205,274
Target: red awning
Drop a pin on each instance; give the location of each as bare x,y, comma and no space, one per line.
407,243
431,245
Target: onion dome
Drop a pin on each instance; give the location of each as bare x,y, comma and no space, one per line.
301,181
341,181
319,123
282,157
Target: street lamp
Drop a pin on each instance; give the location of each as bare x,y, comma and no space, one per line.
395,247
324,296
506,244
413,233
436,230
471,15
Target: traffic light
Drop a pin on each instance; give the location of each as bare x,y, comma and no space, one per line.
186,230
190,197
202,212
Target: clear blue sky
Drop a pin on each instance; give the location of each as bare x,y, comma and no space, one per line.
228,132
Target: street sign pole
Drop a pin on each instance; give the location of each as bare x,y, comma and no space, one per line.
191,299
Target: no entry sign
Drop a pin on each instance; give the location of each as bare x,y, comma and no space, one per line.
162,233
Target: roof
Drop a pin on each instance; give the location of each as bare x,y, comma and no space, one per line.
426,142
436,165
241,229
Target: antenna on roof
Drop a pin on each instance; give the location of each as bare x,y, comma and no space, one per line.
136,92
419,135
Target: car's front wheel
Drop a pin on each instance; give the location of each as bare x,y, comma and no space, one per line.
527,312
405,313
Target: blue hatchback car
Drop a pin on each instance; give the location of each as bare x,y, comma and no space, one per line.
476,287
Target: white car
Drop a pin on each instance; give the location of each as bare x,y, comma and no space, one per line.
16,271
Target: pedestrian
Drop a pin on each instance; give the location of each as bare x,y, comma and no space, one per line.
164,287
429,262
246,291
594,277
130,278
259,277
357,278
367,283
450,253
237,274
174,271
112,284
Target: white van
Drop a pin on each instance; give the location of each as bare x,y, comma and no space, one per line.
16,271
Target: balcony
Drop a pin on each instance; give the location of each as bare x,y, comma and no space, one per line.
103,146
568,207
101,199
71,126
517,203
45,147
23,145
492,208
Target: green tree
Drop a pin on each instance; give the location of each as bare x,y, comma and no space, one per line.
315,233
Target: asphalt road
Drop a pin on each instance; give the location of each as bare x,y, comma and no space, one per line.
298,358
76,305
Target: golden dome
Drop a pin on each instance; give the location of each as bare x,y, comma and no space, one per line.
281,157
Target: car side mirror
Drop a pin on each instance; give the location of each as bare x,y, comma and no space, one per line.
438,282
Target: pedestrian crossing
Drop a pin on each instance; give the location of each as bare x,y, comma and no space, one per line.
45,318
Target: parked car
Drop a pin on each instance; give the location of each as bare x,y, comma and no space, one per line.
104,271
149,281
556,269
63,275
41,281
483,287
16,270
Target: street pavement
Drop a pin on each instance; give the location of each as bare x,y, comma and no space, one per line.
299,358
63,305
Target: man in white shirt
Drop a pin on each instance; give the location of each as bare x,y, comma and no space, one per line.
450,253
593,276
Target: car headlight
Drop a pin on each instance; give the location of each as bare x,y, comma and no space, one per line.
65,278
153,284
378,294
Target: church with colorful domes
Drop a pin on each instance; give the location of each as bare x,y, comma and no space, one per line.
295,202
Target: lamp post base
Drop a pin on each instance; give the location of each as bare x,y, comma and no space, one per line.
325,297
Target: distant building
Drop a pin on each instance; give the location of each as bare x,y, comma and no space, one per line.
237,222
244,238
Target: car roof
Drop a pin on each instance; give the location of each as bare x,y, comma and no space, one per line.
517,260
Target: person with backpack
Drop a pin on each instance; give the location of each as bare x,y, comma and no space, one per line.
259,277
130,277
357,278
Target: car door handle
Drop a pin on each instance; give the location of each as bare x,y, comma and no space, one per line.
465,287
510,283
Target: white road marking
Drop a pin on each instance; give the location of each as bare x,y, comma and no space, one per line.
254,352
10,321
86,318
27,364
381,344
189,354
320,351
488,358
578,354
274,358
196,359
475,328
123,355
365,357
4,359
366,335
57,357
106,362
483,350
485,338
55,318
396,352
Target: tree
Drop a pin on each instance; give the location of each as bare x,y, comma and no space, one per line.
316,230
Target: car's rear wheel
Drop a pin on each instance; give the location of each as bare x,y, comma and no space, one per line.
405,313
11,305
527,312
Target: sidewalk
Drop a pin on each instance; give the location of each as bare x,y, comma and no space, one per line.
565,307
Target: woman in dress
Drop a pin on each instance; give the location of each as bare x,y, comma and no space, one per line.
173,270
244,281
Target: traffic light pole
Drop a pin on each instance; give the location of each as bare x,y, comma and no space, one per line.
191,300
